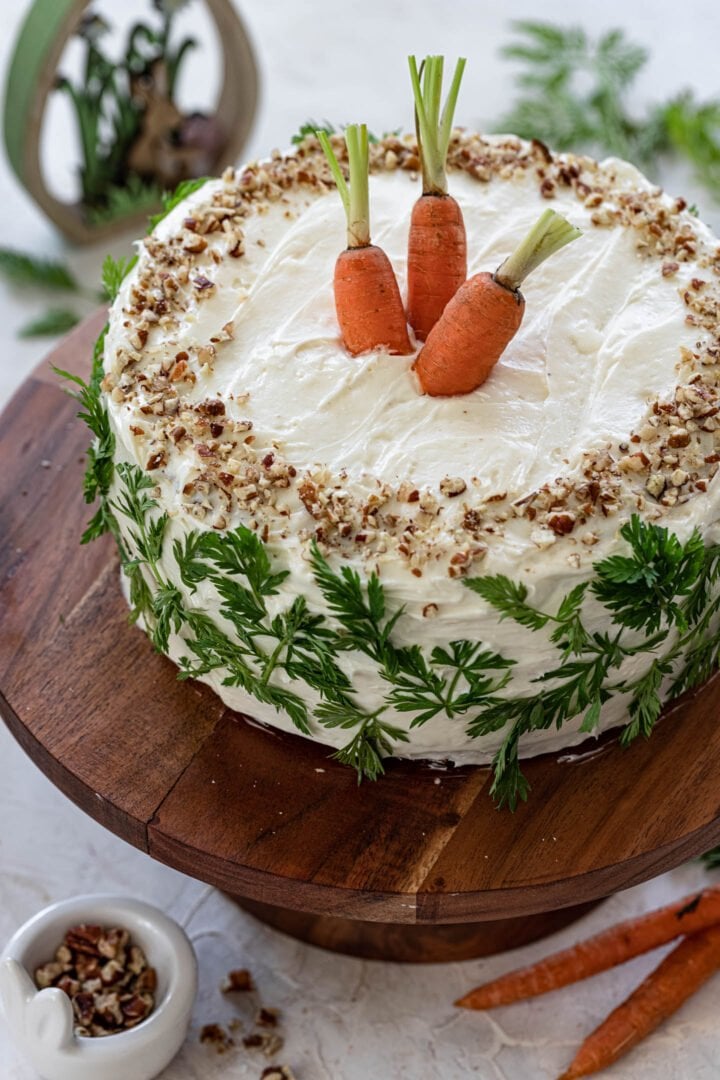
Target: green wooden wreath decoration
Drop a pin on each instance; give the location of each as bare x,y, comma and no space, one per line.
156,135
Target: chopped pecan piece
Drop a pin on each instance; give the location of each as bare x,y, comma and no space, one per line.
156,461
214,407
561,524
237,981
178,371
195,246
202,284
87,967
107,1009
146,981
452,486
47,974
267,1017
137,961
678,437
64,957
68,985
112,972
84,939
84,1007
112,942
267,1041
135,1007
217,1036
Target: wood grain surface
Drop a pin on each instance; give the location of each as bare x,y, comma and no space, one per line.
269,817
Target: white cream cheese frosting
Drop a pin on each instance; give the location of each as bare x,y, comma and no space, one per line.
227,381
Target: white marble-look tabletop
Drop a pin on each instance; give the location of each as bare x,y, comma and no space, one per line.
345,1019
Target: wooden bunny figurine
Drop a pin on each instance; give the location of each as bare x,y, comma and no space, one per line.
170,146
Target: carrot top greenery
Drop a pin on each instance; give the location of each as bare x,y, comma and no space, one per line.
433,128
550,232
355,196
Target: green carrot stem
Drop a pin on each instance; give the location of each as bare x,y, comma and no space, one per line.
434,130
356,196
549,233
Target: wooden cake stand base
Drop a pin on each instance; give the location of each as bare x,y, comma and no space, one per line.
413,943
419,866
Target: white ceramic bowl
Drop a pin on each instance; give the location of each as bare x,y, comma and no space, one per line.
41,1021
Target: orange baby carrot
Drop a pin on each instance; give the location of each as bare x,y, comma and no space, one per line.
437,245
367,298
682,972
484,315
602,951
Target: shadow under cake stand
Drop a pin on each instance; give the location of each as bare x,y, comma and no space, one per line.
417,867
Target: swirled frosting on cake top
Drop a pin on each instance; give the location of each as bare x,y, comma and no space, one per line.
228,384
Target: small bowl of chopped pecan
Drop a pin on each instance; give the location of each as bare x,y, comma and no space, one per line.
98,988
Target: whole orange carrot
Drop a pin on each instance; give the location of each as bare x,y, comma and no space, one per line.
484,315
367,298
605,950
682,972
437,244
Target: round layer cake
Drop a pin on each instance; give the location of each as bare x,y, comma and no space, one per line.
389,573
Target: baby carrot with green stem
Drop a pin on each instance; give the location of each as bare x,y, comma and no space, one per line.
437,245
367,298
485,313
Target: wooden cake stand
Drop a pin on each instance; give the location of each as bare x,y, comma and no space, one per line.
417,867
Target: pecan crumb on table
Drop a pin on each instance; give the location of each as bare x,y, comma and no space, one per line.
268,1041
216,1036
237,981
267,1017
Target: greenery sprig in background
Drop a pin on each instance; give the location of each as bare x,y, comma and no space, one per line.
26,271
572,93
50,275
712,859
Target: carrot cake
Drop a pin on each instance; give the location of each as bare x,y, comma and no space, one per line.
471,578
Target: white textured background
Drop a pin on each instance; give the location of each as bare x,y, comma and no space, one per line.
344,1019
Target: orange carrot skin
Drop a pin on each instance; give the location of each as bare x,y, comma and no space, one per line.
475,329
437,260
603,950
368,304
613,946
681,973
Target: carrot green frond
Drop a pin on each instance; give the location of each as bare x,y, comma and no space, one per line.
356,196
335,169
549,233
434,130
